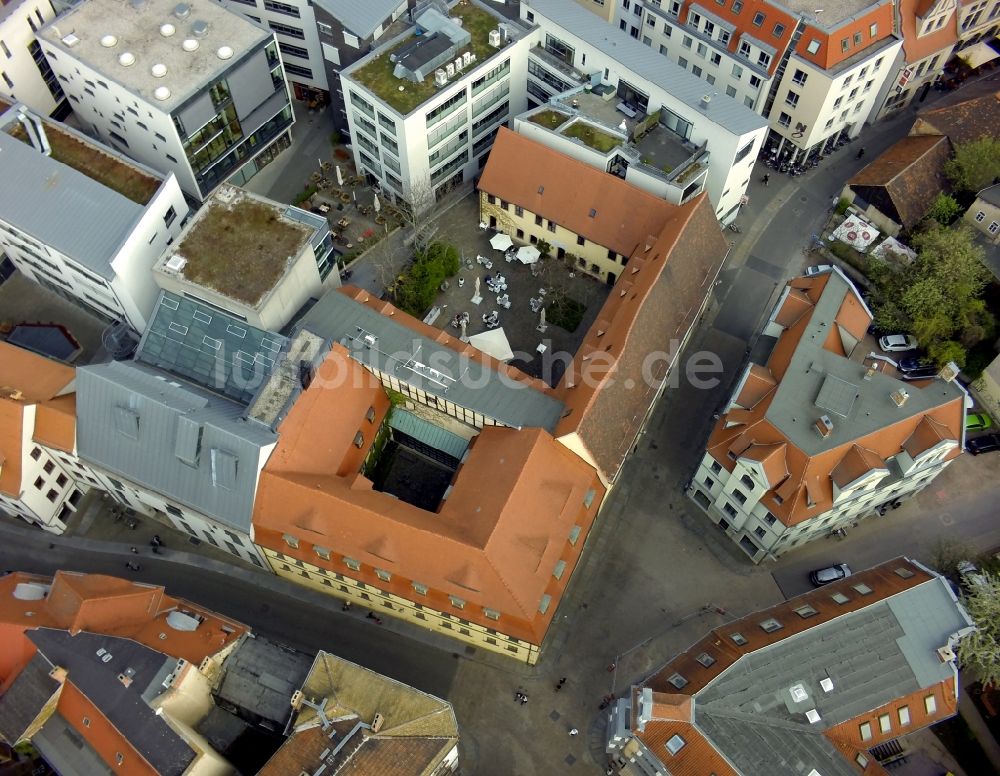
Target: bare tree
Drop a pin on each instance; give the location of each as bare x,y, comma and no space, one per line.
418,215
504,220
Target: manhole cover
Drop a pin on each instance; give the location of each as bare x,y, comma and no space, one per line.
554,716
570,759
803,199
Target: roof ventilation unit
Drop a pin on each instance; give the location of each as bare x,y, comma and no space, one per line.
161,93
182,10
109,41
167,30
190,44
450,70
224,52
126,59
798,692
70,40
826,684
899,397
706,100
199,29
824,426
158,70
440,77
494,38
175,263
813,716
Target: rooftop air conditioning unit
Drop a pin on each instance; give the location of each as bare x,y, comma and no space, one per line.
494,38
450,70
440,77
467,58
824,426
459,64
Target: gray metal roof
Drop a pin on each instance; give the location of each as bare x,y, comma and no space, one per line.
208,347
647,63
260,676
65,750
63,208
873,655
123,706
991,194
147,428
429,433
361,18
429,366
819,381
25,697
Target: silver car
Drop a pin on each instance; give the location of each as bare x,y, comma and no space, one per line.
829,574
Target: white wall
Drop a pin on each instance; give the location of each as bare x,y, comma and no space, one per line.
15,60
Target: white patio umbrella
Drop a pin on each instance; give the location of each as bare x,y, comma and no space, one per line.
528,254
376,204
501,241
340,176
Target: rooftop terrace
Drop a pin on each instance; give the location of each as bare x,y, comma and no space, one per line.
110,171
404,96
237,245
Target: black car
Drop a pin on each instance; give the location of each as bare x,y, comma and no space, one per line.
923,373
825,576
986,443
911,363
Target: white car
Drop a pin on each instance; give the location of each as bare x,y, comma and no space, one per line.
897,343
818,269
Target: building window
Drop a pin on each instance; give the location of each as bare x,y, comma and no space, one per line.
813,46
784,119
36,453
840,598
491,614
49,466
792,98
518,210
770,519
930,704
883,723
760,532
457,602
61,480
770,625
862,588
678,681
716,467
779,30
865,729
323,552
705,659
805,611
758,19
169,216
738,495
543,605
738,639
674,744
51,496
581,240
382,574
994,227
729,509
352,564
904,715
872,30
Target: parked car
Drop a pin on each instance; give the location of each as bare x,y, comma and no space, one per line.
970,574
923,373
977,421
910,363
897,343
825,576
819,269
986,443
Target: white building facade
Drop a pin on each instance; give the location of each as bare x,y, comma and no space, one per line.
419,153
90,239
190,88
25,74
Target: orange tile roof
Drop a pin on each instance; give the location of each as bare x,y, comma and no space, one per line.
562,189
55,423
808,490
969,114
115,607
25,379
854,465
759,383
773,459
830,53
774,12
919,47
698,757
610,384
928,433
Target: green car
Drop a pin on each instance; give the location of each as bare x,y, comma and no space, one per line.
977,422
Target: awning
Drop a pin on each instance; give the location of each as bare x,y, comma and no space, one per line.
494,343
856,233
979,54
428,433
501,241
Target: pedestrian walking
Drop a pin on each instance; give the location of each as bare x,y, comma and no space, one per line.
346,607
861,152
135,550
156,540
562,681
524,699
766,178
574,732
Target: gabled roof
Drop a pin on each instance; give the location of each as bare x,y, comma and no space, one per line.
406,349
24,699
418,730
990,195
55,423
911,172
917,48
811,361
969,114
842,661
190,445
589,202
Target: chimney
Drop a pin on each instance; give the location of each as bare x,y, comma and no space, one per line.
949,372
645,708
377,722
824,426
706,99
870,373
899,397
946,654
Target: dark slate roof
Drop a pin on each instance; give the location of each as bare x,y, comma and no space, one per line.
25,697
873,655
991,195
966,115
406,355
123,706
261,676
209,347
190,445
66,751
